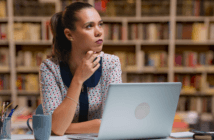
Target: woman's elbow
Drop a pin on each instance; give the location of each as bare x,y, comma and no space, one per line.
57,132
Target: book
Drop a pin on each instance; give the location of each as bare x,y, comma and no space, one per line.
4,57
3,9
203,137
3,32
211,31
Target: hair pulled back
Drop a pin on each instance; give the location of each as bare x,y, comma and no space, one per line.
61,20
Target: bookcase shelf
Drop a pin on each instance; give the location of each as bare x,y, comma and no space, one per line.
193,18
191,42
30,19
189,69
23,92
134,42
137,19
27,69
42,42
147,69
4,42
5,19
4,69
5,92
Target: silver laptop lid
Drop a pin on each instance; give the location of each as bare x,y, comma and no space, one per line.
139,110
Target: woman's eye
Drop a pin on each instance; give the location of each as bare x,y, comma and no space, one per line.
89,26
101,24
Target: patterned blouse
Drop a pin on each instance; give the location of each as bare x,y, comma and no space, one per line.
54,84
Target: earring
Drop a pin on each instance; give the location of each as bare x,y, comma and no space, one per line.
71,39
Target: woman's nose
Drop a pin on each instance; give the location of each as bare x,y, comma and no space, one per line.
98,31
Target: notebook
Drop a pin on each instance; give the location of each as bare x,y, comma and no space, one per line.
137,110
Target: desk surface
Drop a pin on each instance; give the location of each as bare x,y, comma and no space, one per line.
31,137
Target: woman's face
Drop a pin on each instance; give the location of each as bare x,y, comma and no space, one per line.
89,33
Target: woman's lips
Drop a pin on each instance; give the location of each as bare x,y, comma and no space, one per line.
99,41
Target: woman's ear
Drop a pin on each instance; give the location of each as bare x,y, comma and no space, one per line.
67,33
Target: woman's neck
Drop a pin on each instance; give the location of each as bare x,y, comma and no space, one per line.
75,60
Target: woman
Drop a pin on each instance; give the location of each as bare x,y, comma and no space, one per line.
74,83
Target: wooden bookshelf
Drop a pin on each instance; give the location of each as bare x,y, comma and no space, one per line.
170,46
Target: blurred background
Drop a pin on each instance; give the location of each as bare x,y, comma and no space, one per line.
156,41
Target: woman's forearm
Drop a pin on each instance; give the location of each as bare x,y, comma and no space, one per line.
92,126
63,115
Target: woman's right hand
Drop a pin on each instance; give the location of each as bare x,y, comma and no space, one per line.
87,66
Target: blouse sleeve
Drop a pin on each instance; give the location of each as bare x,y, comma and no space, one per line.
50,93
114,76
115,72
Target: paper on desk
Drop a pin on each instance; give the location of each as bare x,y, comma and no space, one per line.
182,135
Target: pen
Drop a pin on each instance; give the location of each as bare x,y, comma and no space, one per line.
0,106
3,111
11,113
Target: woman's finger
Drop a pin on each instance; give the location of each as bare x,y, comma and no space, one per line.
89,54
96,67
93,58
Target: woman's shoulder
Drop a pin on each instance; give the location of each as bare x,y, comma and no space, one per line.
50,63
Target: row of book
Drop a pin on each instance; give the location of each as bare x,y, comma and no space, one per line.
115,8
190,104
152,31
113,32
138,31
210,81
27,82
31,58
27,31
126,58
195,31
3,31
65,3
149,32
153,58
30,8
189,82
4,82
195,7
155,7
136,78
4,56
24,58
3,11
193,59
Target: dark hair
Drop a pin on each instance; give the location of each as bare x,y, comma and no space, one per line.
61,20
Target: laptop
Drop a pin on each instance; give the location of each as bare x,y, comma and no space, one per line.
137,111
